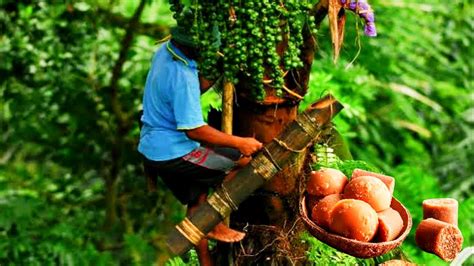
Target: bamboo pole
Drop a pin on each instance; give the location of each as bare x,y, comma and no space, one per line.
227,107
226,127
227,114
274,156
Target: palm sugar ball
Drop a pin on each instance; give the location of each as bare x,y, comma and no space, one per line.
390,225
321,212
326,181
371,190
354,219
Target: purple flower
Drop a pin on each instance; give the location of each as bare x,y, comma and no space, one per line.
370,17
353,6
370,29
363,6
363,9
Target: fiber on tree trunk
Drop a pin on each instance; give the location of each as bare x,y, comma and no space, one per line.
277,154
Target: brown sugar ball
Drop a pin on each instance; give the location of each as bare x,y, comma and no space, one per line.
371,190
354,219
440,238
397,263
388,180
390,225
444,209
325,182
322,211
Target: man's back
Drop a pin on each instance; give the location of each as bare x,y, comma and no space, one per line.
171,104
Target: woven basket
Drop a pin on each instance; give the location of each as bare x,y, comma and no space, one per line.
354,247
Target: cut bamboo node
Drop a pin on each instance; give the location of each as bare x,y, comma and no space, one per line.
190,231
220,204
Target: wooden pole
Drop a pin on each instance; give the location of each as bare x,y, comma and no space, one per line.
274,156
227,107
227,114
226,127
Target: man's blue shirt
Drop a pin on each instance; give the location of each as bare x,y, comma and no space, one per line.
171,104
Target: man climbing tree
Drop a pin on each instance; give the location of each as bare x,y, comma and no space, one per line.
175,142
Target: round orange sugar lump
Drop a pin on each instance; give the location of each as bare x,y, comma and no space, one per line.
322,211
387,180
354,219
390,225
440,238
444,209
371,190
397,263
326,181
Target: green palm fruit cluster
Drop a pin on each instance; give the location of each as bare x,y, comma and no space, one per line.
239,38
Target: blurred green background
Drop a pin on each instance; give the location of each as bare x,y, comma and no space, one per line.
71,82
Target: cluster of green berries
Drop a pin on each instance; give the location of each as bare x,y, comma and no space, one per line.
239,38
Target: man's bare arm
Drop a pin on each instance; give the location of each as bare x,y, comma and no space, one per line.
208,134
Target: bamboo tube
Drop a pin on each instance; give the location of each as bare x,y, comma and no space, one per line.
274,156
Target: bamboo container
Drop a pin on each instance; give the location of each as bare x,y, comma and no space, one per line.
296,137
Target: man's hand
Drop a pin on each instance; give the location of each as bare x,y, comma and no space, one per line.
248,146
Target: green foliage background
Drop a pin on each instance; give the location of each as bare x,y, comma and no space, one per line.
408,97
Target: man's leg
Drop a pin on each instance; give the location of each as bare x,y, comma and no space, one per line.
213,161
221,232
202,249
151,176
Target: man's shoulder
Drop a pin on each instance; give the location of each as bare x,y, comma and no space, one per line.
173,66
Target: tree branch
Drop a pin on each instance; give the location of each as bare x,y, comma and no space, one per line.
122,119
151,30
123,123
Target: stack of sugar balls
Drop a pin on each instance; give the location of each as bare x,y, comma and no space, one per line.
358,209
438,233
